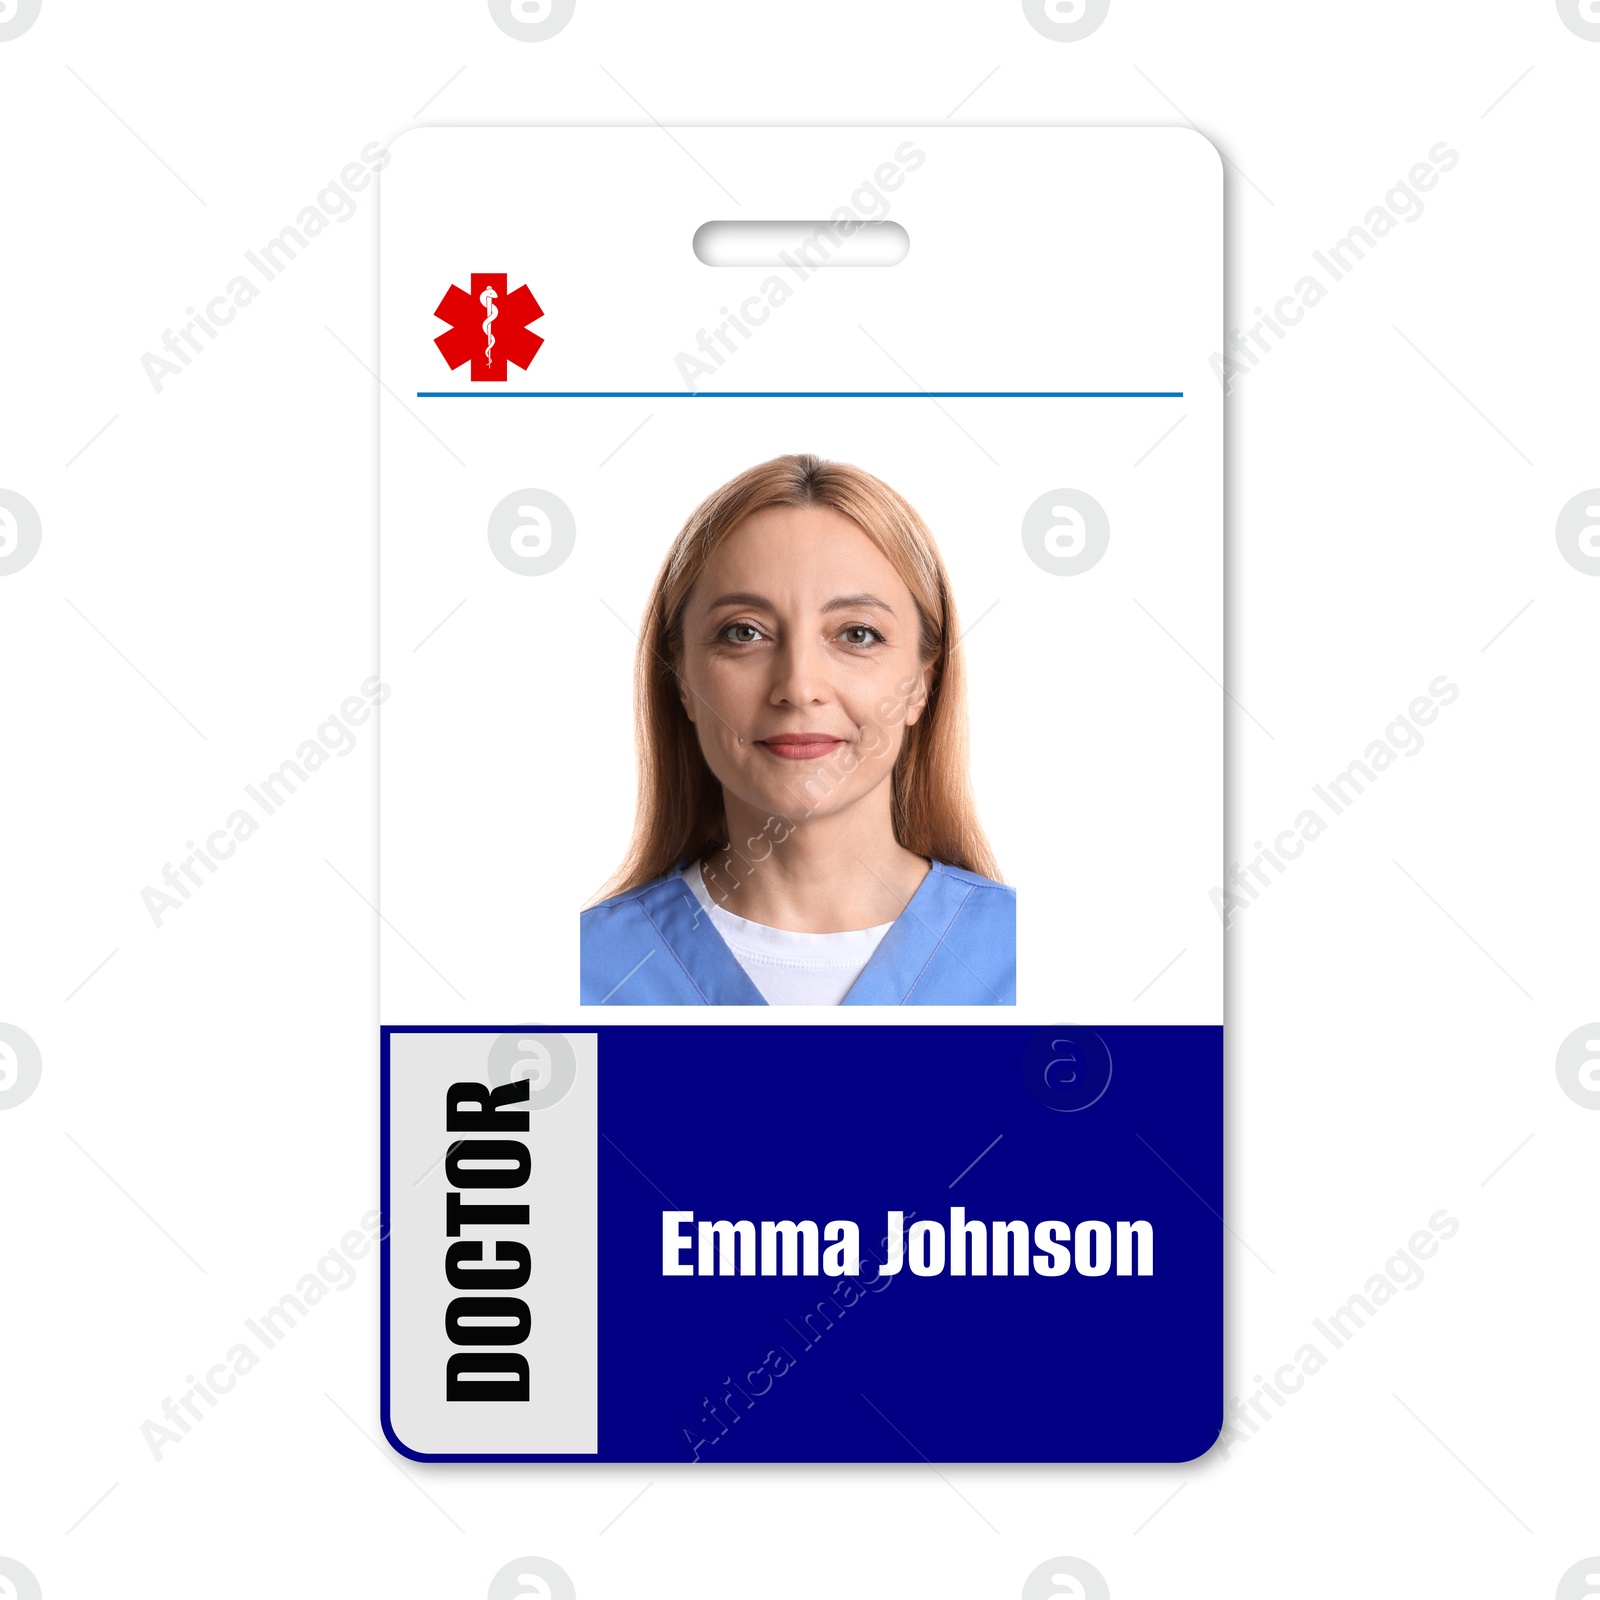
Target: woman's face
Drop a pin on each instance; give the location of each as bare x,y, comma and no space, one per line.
801,663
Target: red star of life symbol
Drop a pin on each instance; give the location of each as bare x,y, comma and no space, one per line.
488,327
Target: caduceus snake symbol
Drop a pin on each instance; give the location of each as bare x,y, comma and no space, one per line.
486,300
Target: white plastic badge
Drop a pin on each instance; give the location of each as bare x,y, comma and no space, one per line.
801,605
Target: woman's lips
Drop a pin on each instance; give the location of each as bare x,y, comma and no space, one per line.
801,746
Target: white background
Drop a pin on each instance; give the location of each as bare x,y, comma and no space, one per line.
204,1128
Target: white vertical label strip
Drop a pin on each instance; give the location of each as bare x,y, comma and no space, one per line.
493,1212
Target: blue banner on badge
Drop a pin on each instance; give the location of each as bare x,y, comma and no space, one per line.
793,1243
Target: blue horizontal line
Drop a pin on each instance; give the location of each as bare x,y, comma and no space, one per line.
800,394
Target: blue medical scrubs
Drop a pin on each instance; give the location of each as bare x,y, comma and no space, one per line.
955,944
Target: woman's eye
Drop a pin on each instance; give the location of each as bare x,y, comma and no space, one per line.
860,634
741,633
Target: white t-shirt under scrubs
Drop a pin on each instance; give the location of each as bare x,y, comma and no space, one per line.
790,969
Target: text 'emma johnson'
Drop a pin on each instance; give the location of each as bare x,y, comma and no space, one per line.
976,1249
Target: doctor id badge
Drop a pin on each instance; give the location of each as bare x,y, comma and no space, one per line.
801,794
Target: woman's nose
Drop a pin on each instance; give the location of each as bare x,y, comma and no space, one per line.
799,674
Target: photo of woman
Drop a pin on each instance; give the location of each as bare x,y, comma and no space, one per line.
805,831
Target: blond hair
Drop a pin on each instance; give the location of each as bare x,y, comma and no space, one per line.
680,811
